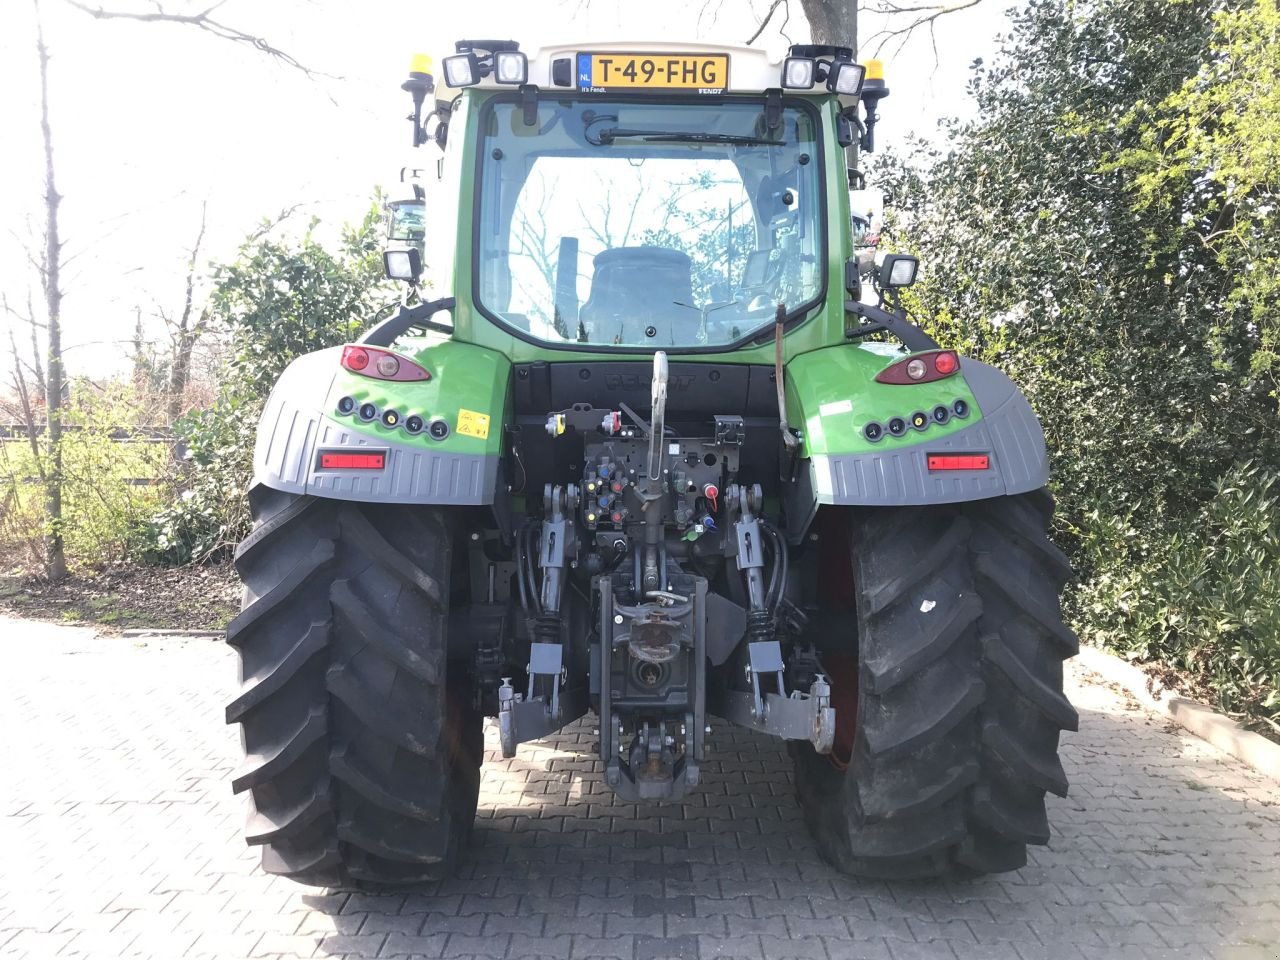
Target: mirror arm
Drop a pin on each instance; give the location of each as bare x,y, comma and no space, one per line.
389,330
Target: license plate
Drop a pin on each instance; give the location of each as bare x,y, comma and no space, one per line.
697,73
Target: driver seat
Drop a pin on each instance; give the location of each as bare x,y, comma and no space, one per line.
635,288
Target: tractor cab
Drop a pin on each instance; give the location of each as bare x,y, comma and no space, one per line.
636,197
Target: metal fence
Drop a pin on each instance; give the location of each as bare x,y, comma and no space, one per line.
20,432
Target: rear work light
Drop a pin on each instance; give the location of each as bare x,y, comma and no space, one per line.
381,364
352,461
921,368
959,461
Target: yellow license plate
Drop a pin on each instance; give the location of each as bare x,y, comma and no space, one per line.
697,73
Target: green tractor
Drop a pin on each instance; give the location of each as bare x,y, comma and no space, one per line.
652,443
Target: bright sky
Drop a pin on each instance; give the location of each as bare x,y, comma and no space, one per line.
150,120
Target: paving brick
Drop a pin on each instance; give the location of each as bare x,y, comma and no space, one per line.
409,923
413,945
787,948
359,945
522,945
122,839
666,948
745,948
621,948
461,945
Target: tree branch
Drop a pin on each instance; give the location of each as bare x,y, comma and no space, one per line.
202,20
921,15
765,22
28,415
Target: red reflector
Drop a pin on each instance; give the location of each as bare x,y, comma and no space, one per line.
959,461
945,362
352,461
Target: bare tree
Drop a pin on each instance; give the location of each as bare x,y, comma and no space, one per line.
830,21
26,407
28,318
200,20
185,332
55,553
15,530
836,21
907,18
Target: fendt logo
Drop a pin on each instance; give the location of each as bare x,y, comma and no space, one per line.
640,382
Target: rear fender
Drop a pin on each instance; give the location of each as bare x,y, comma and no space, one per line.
302,422
836,394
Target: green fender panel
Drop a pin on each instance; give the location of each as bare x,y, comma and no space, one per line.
465,400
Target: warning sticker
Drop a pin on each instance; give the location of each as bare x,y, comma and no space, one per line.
472,424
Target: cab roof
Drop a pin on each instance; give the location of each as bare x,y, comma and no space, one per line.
558,66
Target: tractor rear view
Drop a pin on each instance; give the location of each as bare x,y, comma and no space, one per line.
664,449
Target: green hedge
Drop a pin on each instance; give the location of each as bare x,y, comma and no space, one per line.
1204,598
1105,230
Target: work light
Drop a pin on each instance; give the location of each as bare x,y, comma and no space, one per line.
402,264
846,78
510,66
798,72
462,70
898,270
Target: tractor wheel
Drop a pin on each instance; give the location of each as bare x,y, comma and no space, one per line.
362,763
952,741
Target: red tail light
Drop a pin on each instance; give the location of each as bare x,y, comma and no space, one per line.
959,461
381,364
921,368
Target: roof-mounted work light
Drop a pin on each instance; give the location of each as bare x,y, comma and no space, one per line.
798,73
845,77
809,64
477,59
462,70
510,67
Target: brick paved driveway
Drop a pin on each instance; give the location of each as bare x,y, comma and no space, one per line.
119,836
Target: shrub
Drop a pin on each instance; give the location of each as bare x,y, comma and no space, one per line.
280,299
1091,256
115,477
1205,600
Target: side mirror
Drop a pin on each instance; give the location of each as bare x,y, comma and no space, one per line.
407,220
898,270
402,264
866,207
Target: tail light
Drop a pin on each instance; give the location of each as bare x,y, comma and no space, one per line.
921,368
381,364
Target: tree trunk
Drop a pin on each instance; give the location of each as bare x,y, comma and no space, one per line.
55,559
833,21
185,337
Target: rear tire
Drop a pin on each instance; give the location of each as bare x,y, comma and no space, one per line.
362,763
959,694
